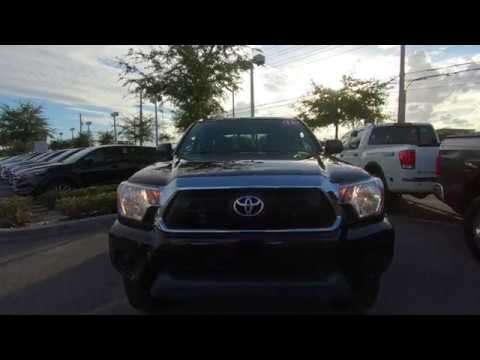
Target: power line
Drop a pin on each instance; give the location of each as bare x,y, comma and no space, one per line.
444,86
305,56
442,67
330,56
296,56
443,75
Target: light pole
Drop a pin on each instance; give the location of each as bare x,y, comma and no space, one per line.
233,103
156,119
114,116
402,98
258,59
88,123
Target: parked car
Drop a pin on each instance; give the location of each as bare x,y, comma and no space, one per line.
458,172
56,158
10,169
401,155
251,204
99,165
16,160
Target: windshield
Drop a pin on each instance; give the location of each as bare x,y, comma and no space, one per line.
244,139
78,155
64,155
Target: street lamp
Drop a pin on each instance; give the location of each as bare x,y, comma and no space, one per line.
114,116
258,59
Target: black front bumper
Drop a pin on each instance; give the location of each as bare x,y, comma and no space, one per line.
264,262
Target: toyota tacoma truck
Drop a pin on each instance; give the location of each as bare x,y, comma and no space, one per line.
458,173
401,155
251,207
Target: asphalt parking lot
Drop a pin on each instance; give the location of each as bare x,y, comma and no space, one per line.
433,273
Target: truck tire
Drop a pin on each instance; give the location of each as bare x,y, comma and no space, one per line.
472,227
390,197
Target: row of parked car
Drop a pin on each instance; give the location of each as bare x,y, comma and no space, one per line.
410,159
34,173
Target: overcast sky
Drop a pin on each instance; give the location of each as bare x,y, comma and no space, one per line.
68,80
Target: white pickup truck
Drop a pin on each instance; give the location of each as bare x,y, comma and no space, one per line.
402,155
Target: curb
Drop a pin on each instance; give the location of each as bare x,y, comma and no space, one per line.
70,227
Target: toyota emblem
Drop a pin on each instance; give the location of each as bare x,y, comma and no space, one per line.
248,205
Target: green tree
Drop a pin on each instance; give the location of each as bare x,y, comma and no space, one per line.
322,108
135,130
22,125
364,100
59,144
105,137
355,102
83,139
194,78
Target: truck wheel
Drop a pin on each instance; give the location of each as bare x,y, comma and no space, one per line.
472,227
390,197
140,298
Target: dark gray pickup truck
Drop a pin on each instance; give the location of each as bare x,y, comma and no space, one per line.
458,173
251,206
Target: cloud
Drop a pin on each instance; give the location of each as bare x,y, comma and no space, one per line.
69,75
387,47
448,101
275,81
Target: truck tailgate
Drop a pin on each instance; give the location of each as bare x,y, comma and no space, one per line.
425,160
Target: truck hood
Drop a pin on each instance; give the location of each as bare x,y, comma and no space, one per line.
161,174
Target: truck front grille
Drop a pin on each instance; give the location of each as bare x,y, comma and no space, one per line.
289,208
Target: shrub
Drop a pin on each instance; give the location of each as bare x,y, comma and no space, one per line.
14,211
50,198
97,204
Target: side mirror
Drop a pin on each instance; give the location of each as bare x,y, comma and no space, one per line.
333,147
165,152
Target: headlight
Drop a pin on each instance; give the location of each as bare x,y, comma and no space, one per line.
366,198
134,200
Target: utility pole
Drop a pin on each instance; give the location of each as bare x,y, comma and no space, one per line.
233,103
402,98
81,123
252,96
258,59
140,138
156,123
114,116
